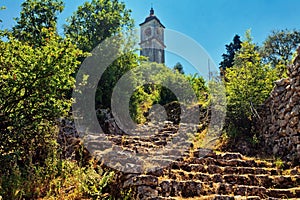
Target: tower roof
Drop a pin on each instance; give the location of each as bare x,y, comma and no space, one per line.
152,17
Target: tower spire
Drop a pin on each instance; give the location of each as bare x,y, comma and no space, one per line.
151,10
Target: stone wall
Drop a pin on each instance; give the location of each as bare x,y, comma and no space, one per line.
279,124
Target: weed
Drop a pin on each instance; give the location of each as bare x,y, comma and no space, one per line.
54,179
279,163
126,195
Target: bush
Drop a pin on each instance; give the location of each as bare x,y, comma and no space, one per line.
249,83
34,82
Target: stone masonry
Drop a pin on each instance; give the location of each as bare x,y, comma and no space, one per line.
279,125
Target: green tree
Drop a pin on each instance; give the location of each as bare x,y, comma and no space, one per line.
34,83
142,100
199,86
179,68
34,17
150,93
91,24
97,20
228,57
36,65
249,83
111,76
157,92
278,49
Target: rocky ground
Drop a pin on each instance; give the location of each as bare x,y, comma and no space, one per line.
218,176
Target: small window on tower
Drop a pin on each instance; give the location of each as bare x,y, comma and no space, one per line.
159,57
158,31
148,32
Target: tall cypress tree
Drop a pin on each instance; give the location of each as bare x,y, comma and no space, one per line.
228,57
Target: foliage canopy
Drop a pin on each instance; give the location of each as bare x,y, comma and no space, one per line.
249,82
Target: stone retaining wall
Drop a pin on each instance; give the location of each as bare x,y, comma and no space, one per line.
279,124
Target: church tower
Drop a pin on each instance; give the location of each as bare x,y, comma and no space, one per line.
152,39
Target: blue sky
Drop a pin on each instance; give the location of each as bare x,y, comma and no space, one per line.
211,23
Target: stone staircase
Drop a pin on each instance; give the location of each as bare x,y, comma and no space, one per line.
196,174
216,176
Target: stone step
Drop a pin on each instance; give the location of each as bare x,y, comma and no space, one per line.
240,190
192,189
207,153
210,197
292,171
203,153
284,193
171,188
162,198
189,189
213,169
251,170
229,162
277,181
222,197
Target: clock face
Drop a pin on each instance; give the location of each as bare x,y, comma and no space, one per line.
148,32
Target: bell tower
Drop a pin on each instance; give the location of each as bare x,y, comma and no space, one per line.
152,39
